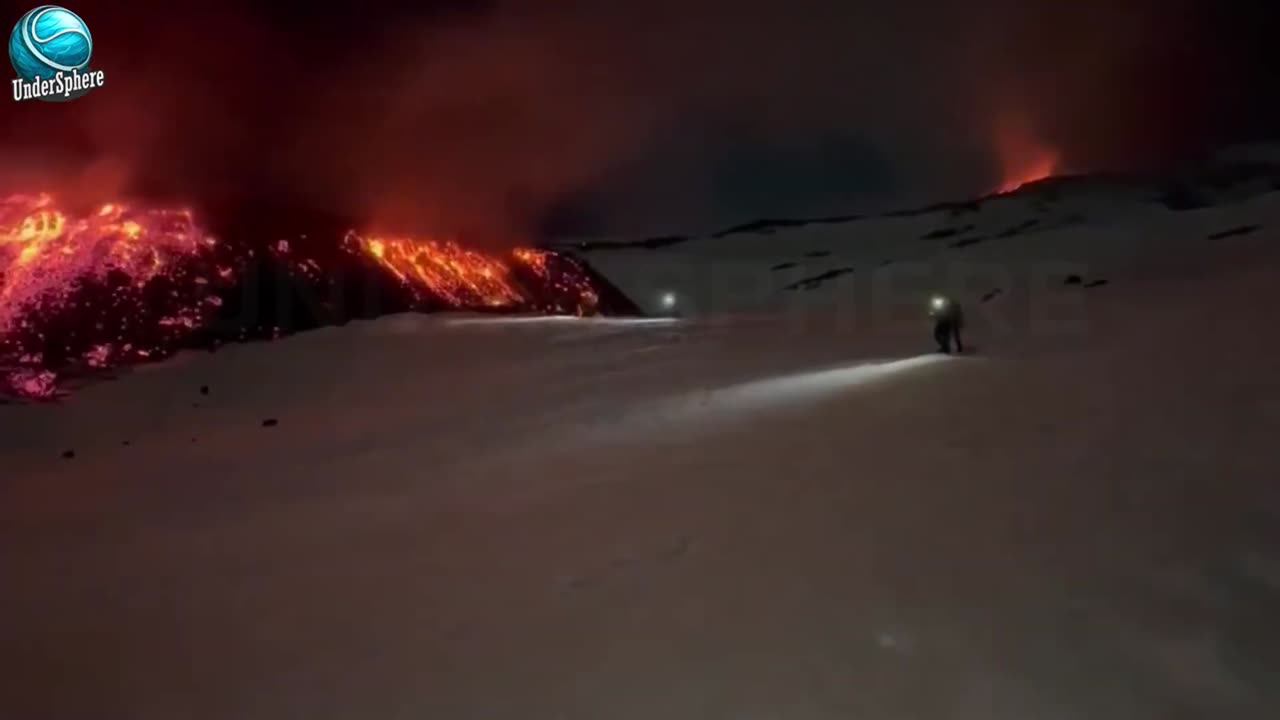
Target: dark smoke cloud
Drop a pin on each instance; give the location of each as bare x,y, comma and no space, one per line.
498,120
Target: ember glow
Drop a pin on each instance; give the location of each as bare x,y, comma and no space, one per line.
1023,158
128,272
569,287
44,252
1041,166
468,279
460,277
121,284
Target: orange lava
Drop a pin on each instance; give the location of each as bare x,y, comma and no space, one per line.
121,284
571,282
1024,159
44,251
465,278
48,254
460,277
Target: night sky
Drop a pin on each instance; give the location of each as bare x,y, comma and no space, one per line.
504,120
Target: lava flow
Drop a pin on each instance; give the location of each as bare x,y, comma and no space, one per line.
443,271
459,277
115,284
121,284
44,254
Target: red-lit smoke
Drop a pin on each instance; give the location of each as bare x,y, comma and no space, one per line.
1023,157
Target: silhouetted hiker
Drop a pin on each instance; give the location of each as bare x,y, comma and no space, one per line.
948,320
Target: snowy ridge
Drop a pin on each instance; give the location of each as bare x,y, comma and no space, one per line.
1097,228
778,506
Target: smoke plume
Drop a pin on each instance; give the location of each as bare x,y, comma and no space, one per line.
498,121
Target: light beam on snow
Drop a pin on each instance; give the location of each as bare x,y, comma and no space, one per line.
761,394
709,410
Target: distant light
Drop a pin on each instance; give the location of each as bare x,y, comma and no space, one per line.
668,301
939,303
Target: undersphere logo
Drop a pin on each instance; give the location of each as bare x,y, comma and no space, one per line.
50,49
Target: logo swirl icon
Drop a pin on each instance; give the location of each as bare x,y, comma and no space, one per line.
50,48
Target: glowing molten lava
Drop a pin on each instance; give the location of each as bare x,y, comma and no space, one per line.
44,253
120,284
1023,158
467,279
460,277
114,258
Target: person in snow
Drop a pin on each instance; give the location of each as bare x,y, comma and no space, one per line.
948,320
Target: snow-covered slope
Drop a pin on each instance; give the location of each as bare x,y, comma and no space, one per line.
1090,227
778,508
